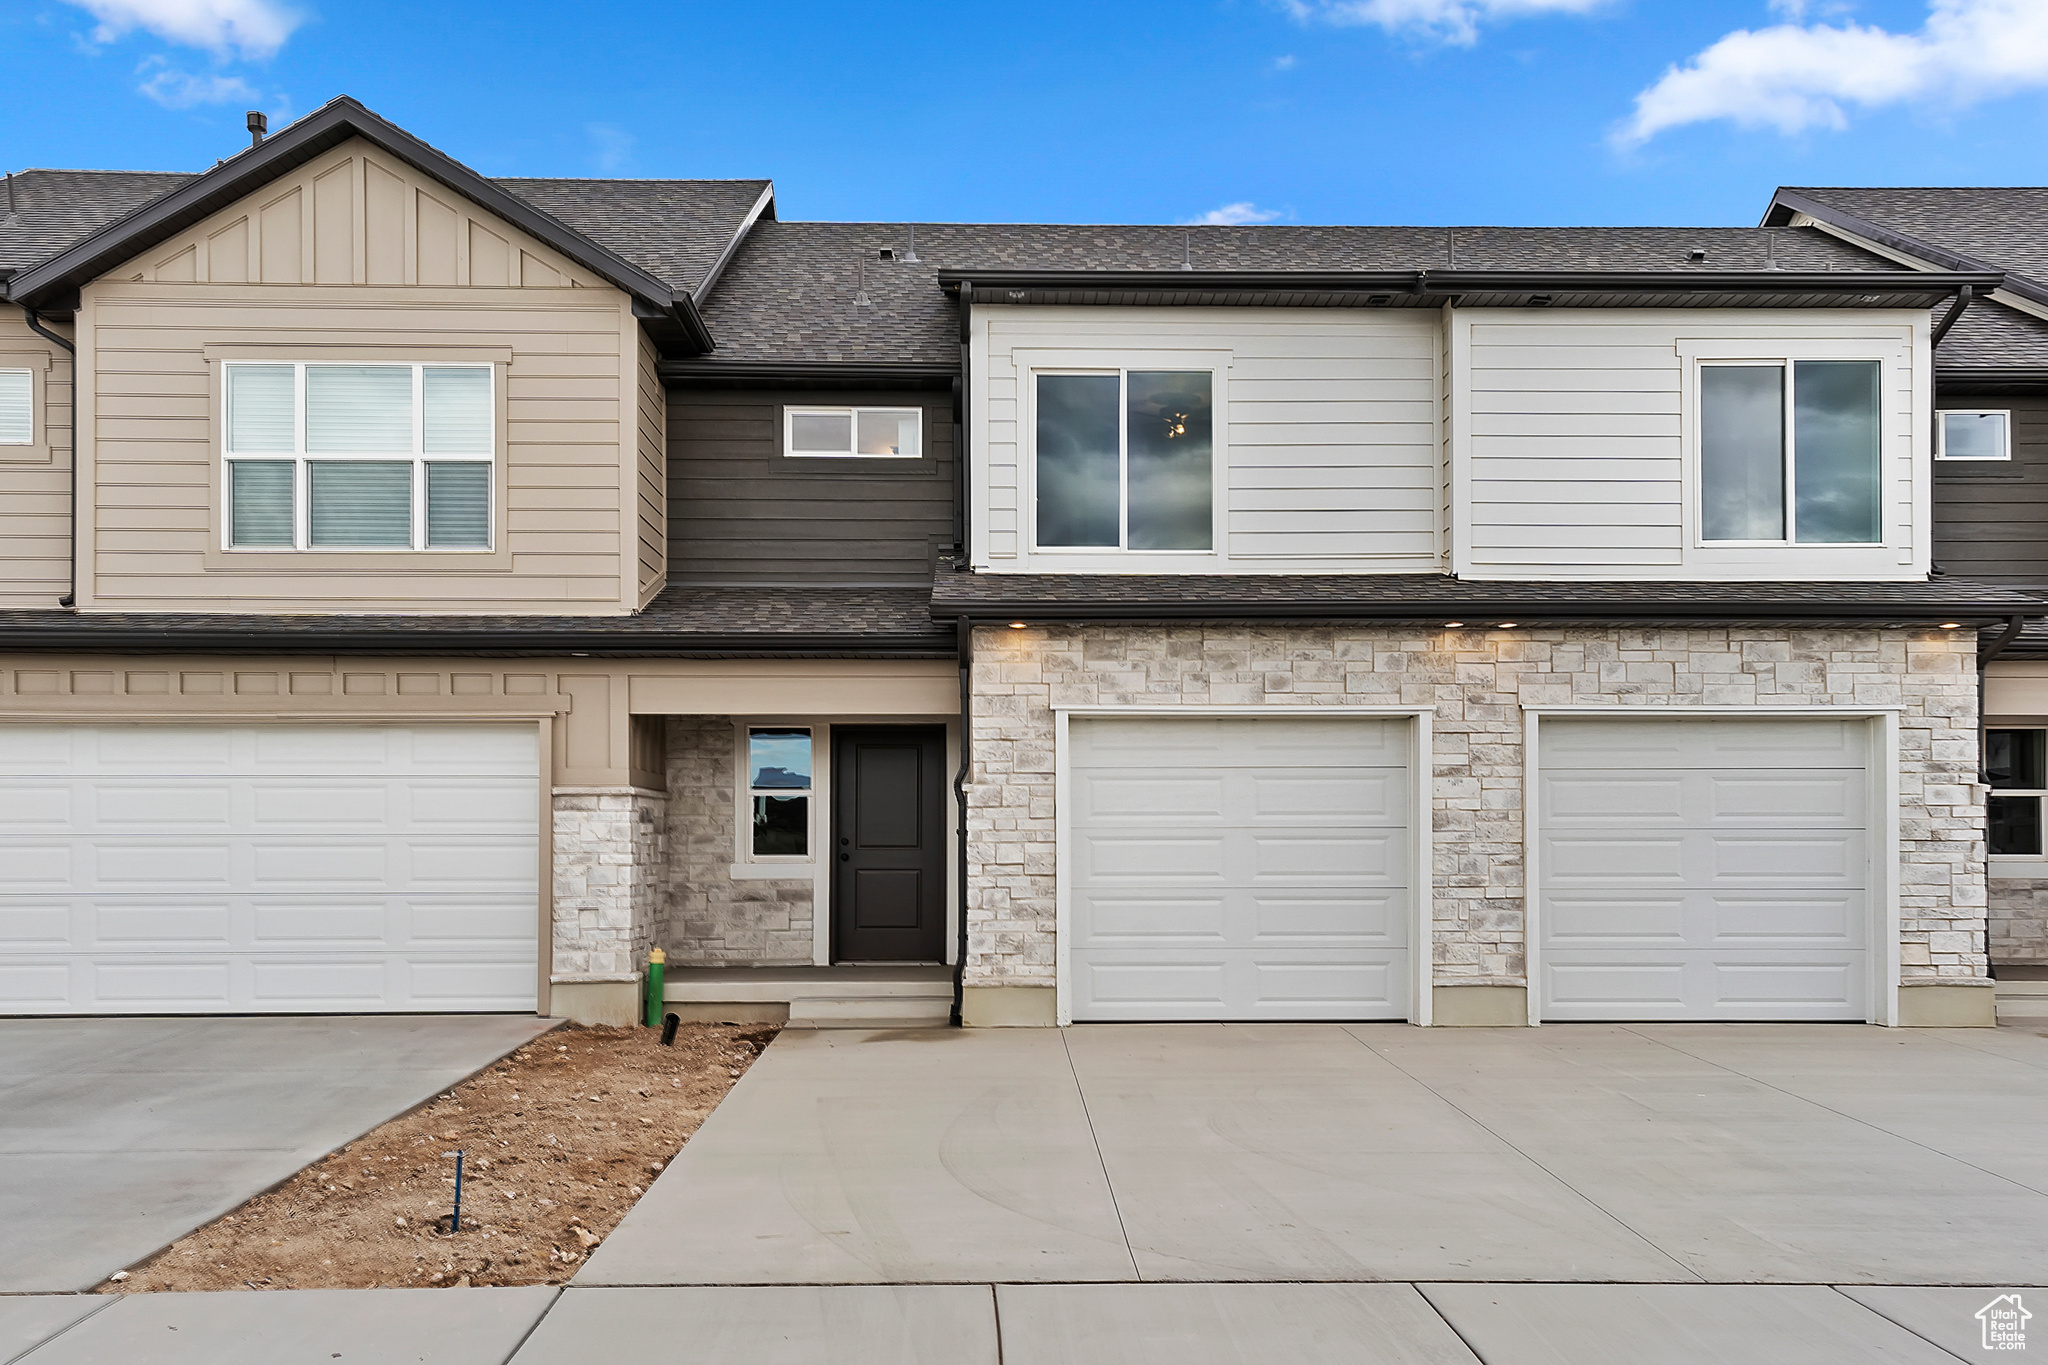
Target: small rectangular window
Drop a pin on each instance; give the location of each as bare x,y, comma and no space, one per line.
332,456
1973,436
1125,461
1791,451
854,433
17,399
779,792
2016,763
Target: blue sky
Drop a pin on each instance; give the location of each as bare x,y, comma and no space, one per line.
1302,111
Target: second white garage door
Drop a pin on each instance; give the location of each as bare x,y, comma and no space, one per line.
1239,868
1705,868
175,868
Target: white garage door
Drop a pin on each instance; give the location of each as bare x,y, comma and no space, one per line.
1704,868
175,868
1239,868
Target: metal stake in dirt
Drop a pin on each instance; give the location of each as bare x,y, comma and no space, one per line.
455,1219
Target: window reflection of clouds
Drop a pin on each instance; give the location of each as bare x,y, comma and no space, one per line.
1169,435
779,759
1077,460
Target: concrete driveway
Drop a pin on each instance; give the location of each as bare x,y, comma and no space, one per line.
1730,1154
117,1136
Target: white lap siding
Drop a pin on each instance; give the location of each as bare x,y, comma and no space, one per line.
1478,681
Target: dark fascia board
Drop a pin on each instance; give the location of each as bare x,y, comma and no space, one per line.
470,643
2004,379
1479,608
1786,202
773,374
327,127
1842,286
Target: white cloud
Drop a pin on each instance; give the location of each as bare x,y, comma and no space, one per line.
1793,77
1285,63
1450,21
175,89
611,146
247,28
1244,211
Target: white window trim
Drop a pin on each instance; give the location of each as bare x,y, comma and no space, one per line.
28,375
1941,435
748,865
1031,364
1788,364
852,414
302,481
1882,772
2016,864
1421,927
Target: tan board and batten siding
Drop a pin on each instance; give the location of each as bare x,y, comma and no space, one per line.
1570,443
35,479
1327,421
358,256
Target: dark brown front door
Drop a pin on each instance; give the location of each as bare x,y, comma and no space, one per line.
889,843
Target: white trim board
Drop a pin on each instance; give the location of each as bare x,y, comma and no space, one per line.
1882,772
1422,939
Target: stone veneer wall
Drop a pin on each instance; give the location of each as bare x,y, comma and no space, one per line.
2019,921
708,919
1478,682
607,879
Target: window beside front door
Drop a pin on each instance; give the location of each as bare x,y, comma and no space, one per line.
1791,452
779,793
1124,460
358,457
2016,763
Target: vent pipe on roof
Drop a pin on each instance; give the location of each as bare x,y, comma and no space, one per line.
258,126
912,258
1187,249
860,297
10,195
1771,251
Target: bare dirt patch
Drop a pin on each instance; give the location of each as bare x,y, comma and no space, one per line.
560,1139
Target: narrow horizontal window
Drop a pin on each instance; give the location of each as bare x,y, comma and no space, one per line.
1791,452
854,433
17,396
333,456
1125,461
1974,436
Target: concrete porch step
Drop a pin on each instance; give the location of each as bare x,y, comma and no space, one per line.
2025,999
850,996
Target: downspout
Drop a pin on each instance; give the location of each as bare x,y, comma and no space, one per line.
36,325
2013,626
962,466
964,646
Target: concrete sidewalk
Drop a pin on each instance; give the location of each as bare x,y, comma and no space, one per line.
1801,1155
118,1136
1039,1324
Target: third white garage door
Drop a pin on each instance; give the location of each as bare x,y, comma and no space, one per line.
1239,867
1705,868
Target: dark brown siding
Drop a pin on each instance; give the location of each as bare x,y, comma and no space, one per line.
741,512
1991,520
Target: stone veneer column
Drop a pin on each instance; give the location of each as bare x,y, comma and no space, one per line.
609,879
1478,681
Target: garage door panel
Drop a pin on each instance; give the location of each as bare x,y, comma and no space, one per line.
35,807
1678,742
1704,868
1602,798
255,867
1239,868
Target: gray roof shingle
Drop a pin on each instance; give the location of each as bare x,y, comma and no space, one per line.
790,292
673,229
2004,226
681,620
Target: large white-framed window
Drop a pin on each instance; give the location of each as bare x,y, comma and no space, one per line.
1124,460
2016,763
326,456
780,806
17,407
853,433
1791,451
1973,434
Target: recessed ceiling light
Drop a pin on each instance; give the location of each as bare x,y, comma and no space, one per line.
1017,625
1507,625
1951,625
1452,625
